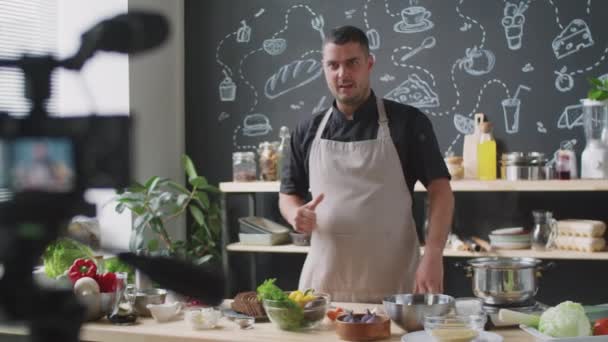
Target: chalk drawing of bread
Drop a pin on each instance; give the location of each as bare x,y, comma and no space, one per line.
292,76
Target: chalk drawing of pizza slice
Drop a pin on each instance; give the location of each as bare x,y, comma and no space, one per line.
292,76
414,92
571,117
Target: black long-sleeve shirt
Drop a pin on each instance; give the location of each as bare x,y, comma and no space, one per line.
411,131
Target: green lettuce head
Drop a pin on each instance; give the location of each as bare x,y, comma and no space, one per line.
567,319
60,255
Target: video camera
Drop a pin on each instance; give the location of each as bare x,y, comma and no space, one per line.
47,162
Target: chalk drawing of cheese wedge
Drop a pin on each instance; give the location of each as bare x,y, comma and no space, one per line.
414,92
574,37
292,76
571,117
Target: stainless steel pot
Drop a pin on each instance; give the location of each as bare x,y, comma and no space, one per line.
505,280
523,166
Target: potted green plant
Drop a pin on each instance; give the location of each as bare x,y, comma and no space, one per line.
160,200
598,90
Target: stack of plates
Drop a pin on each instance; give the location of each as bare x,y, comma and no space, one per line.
510,238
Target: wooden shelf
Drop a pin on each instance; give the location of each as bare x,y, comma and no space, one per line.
567,255
459,185
239,247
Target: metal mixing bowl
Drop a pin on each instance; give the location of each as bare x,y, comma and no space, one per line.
408,310
148,296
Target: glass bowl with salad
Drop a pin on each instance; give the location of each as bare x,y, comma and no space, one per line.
293,310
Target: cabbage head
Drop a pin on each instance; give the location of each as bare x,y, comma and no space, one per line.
567,319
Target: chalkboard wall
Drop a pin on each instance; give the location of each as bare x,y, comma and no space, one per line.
254,66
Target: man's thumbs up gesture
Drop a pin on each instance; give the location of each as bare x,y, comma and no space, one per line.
306,218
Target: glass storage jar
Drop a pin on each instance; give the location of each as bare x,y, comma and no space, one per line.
243,167
269,160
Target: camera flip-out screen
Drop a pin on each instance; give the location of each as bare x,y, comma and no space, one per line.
38,164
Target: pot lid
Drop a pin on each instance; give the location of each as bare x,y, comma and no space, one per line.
504,263
513,157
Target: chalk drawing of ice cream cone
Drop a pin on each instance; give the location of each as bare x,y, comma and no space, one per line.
513,22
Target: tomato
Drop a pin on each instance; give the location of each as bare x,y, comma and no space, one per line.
333,314
601,327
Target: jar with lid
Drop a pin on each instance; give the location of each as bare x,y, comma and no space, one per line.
454,165
562,165
269,159
243,167
284,136
544,231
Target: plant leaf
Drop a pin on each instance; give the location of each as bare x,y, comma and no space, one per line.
198,215
178,187
120,207
151,183
157,225
153,245
138,210
595,94
181,199
210,188
595,81
189,167
203,199
203,260
136,187
141,222
198,182
136,241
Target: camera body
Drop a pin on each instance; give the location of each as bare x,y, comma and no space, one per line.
68,155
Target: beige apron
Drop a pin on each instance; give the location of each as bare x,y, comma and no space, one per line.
365,246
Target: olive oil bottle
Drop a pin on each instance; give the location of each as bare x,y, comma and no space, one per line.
486,153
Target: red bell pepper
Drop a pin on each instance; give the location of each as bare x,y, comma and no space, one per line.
107,282
601,327
82,268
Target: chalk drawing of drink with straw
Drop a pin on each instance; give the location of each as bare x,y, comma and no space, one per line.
510,108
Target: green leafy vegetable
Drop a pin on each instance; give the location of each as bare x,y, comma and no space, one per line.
282,310
599,89
268,290
115,265
59,256
567,319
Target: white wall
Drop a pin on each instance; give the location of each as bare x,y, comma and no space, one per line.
156,82
103,83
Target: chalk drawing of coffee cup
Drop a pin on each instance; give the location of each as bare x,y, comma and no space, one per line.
415,15
414,19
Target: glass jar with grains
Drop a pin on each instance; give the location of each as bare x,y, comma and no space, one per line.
243,167
269,160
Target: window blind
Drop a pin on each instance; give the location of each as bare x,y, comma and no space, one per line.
26,27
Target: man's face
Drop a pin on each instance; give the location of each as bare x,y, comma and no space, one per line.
347,70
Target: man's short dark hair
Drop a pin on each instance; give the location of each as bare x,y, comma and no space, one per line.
347,34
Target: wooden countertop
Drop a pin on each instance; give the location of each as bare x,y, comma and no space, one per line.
178,330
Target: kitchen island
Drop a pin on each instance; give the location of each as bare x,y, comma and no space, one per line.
148,330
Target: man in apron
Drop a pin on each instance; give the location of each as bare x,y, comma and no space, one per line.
360,159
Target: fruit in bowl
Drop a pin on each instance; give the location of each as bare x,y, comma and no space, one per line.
293,310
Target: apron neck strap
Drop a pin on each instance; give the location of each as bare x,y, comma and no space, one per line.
383,130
